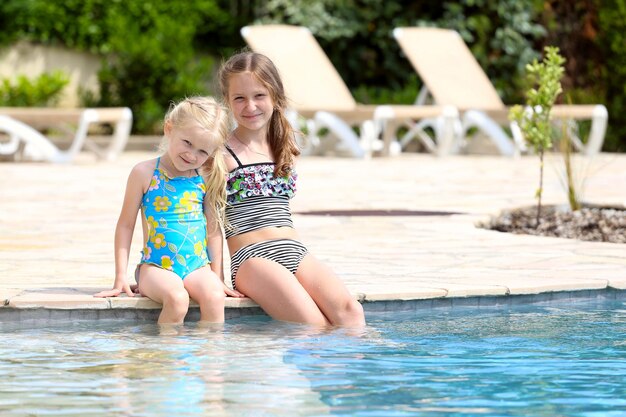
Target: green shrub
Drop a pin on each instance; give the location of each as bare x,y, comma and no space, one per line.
44,90
612,41
151,66
152,49
153,59
149,49
534,120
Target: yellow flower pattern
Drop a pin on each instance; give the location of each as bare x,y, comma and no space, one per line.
188,205
166,262
162,203
188,200
199,248
152,225
159,240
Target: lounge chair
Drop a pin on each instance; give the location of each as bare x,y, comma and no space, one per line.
453,76
23,125
320,96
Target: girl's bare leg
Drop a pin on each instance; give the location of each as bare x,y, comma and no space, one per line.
329,293
277,291
206,289
167,288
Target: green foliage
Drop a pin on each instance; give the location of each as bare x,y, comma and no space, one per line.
149,50
93,25
612,41
573,194
74,23
318,16
152,64
154,59
534,120
153,50
44,90
545,80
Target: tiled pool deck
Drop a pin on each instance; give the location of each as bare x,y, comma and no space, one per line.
57,224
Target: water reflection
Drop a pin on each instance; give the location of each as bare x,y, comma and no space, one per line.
192,370
526,361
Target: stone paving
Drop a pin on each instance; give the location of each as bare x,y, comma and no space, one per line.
397,228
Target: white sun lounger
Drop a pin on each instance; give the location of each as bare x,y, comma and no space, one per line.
21,128
453,76
318,94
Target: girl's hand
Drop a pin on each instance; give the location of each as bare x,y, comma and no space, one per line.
232,293
135,288
115,292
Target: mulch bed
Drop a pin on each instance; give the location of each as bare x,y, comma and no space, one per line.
589,223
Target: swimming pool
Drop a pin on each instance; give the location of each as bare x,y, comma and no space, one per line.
566,359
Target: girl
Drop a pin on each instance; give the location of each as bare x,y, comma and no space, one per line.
180,216
268,262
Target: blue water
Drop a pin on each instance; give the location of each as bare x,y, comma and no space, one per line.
558,360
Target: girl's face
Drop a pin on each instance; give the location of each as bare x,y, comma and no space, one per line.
250,102
189,146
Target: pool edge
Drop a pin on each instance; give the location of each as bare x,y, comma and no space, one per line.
43,315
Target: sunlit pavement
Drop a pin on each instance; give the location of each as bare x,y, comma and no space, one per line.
397,228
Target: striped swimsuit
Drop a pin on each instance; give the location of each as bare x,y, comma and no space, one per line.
257,199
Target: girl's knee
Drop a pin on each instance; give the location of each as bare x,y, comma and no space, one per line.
352,314
215,296
212,306
175,307
178,299
355,308
210,293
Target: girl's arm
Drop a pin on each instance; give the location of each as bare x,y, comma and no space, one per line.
215,246
124,231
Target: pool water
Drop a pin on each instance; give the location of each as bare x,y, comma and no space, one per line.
552,360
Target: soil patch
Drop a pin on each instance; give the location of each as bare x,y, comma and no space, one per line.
595,224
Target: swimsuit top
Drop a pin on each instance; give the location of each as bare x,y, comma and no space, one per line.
173,211
256,198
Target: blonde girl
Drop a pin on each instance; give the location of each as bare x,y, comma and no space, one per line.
181,197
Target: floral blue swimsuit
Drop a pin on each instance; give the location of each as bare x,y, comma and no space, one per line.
173,211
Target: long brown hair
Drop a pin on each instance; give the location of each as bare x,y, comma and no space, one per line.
280,133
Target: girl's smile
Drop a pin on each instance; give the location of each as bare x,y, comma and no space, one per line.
250,101
189,147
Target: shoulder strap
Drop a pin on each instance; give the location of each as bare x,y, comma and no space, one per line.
230,151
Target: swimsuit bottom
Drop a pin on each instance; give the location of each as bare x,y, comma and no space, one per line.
286,252
194,263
